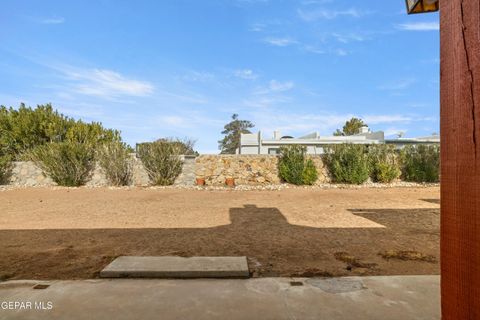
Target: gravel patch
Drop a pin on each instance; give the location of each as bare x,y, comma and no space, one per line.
273,187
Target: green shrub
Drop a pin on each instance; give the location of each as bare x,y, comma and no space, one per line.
185,146
291,164
116,162
161,160
5,169
347,163
384,166
67,163
91,133
294,168
309,175
421,163
24,128
386,173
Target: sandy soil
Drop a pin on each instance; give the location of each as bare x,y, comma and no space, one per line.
74,233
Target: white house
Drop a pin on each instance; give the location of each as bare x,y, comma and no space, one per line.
255,143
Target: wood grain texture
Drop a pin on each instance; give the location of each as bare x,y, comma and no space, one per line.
460,158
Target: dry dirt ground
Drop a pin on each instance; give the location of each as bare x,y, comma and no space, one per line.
74,233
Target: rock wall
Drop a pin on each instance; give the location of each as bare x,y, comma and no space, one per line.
187,177
246,169
27,174
140,176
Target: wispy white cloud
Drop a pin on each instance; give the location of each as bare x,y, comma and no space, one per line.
277,86
197,76
270,95
398,85
246,74
268,120
419,105
183,120
431,61
103,82
313,15
56,20
182,96
314,49
298,124
348,37
265,101
174,121
419,26
310,2
280,42
257,27
250,1
380,119
266,25
341,52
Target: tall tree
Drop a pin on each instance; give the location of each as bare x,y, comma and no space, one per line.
232,131
351,127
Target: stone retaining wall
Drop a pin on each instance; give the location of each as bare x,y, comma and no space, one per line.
246,169
27,174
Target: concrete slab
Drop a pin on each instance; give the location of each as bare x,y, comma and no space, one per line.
359,298
176,267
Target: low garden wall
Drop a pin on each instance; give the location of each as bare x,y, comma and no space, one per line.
27,174
247,169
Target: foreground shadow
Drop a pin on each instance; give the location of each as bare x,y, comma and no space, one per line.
273,246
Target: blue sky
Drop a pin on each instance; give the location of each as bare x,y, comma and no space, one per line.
180,68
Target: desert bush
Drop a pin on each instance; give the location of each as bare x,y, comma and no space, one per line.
384,165
295,168
24,128
348,163
291,164
115,160
91,133
421,163
5,168
67,163
161,160
310,174
186,146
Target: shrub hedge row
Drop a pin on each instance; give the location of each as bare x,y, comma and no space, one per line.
67,150
421,163
355,164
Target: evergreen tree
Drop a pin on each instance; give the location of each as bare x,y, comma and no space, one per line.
232,131
351,127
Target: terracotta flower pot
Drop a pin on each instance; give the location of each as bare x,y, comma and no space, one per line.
230,182
200,181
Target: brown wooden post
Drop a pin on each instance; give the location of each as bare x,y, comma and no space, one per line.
460,158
